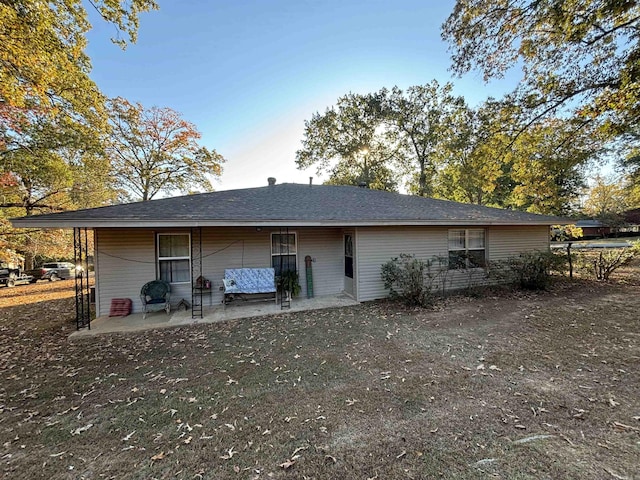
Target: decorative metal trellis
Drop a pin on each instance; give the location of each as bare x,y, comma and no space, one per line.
197,285
285,299
83,289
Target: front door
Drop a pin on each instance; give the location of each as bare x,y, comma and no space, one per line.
348,263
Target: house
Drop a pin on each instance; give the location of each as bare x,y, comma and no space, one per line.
592,228
347,233
632,222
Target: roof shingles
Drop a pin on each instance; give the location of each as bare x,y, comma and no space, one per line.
288,203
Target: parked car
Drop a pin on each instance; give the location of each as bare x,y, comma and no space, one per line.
11,276
53,271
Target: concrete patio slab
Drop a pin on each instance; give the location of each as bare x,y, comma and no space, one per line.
135,322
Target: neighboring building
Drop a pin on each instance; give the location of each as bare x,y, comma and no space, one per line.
592,228
348,232
632,221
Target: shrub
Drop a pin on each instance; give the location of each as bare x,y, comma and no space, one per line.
530,270
603,263
409,279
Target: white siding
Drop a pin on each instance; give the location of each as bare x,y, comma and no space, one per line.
509,241
125,260
378,245
325,247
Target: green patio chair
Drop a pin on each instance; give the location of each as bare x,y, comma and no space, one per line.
155,295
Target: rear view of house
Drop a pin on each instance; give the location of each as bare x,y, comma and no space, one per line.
346,233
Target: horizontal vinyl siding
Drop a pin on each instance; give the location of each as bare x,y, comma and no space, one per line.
125,261
375,246
125,258
324,245
224,248
506,242
246,247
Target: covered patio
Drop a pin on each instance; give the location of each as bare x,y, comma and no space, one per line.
218,313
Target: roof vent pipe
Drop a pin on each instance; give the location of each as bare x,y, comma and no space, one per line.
310,181
272,181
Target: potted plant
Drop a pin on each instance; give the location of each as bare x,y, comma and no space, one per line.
289,282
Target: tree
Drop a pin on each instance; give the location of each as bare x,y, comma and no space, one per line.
348,142
371,171
155,150
419,124
369,136
52,114
43,66
579,56
607,200
548,166
474,169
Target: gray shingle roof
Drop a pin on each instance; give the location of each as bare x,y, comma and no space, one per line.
289,204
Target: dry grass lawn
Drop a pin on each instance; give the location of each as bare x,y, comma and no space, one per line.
510,385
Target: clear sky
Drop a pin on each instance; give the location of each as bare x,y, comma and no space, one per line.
248,73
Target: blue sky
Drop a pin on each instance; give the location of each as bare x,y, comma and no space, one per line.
248,73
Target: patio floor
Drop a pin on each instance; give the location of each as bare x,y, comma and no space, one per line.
135,322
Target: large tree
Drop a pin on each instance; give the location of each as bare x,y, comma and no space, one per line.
52,114
579,56
548,166
348,142
474,168
155,150
43,65
419,121
369,136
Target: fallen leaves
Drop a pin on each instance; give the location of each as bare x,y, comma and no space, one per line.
79,430
158,456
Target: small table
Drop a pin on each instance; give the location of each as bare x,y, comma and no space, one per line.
201,291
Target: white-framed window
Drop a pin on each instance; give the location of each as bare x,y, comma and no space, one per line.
467,248
174,257
284,252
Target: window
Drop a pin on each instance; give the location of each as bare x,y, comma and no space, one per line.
467,248
174,259
348,256
284,252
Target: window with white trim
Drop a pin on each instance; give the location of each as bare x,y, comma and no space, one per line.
174,257
284,252
467,248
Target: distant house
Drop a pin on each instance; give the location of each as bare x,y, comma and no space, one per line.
592,228
348,233
632,221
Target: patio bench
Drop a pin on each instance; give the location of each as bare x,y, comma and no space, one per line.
240,283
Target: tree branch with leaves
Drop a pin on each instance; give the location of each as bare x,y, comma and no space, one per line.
155,151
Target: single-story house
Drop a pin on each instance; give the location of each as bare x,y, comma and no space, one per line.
347,233
592,228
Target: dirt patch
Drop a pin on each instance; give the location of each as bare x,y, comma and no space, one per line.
508,385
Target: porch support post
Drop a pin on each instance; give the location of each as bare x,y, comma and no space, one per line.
83,291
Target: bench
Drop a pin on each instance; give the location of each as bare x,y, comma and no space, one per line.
240,282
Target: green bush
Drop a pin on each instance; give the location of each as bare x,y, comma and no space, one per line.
409,279
529,270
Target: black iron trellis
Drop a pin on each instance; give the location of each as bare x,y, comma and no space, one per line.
83,289
197,284
285,300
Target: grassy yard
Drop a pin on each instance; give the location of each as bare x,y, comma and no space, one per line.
510,385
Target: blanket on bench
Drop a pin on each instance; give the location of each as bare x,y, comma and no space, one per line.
240,281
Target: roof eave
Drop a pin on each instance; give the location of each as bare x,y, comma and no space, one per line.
120,223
